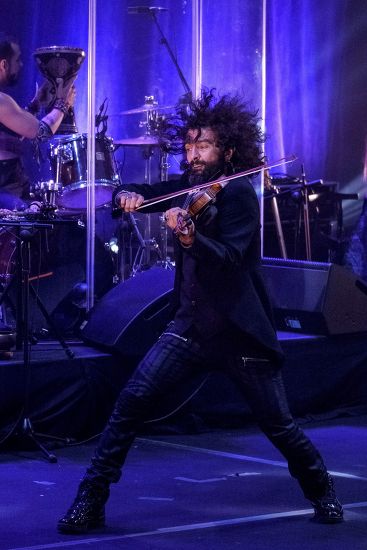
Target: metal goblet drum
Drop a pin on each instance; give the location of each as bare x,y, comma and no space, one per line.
59,64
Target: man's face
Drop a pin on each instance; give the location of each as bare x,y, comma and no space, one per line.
13,66
205,158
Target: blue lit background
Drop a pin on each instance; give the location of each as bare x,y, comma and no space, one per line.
316,70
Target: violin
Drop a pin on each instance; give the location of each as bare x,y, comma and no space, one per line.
209,190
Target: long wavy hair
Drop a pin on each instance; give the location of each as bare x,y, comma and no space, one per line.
236,126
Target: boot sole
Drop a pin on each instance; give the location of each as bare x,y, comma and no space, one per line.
72,529
327,520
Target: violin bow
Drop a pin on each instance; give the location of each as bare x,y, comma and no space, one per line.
151,202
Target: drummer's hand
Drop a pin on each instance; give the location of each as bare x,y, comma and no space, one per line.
129,202
42,97
66,91
42,93
70,98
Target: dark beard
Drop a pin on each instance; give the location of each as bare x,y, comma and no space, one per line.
210,173
11,79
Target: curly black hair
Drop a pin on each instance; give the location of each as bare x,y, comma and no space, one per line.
236,126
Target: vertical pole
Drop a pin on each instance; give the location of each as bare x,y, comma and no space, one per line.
197,47
263,117
91,152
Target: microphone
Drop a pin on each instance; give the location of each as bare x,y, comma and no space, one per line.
144,9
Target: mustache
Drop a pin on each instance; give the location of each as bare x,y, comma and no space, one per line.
187,166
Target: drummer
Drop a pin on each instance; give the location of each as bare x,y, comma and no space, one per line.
17,123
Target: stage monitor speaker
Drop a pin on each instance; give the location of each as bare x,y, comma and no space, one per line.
315,297
131,316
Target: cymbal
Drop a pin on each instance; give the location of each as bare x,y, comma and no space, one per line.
146,108
139,141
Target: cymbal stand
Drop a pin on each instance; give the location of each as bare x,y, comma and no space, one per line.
165,260
151,124
147,153
24,427
142,246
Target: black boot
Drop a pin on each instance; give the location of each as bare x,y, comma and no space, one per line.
327,508
87,511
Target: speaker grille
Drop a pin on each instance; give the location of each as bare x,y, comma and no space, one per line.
131,316
315,297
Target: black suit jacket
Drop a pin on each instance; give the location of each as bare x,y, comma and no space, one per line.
227,251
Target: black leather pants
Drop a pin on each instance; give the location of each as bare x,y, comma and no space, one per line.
170,361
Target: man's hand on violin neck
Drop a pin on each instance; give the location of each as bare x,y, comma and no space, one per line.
129,202
178,219
174,217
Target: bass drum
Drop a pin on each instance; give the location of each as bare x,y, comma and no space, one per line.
68,159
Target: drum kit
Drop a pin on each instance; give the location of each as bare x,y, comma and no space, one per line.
65,193
125,244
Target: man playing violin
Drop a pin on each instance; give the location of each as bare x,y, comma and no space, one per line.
17,123
221,317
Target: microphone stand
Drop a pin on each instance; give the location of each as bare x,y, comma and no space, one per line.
164,41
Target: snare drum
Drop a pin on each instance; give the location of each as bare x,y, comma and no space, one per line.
68,158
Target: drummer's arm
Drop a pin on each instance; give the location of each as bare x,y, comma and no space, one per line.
23,123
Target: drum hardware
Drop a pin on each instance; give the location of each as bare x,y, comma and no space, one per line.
48,191
144,140
326,215
152,244
146,108
336,240
101,119
7,339
300,194
304,212
148,141
269,186
22,237
128,247
151,108
59,65
112,246
24,234
164,261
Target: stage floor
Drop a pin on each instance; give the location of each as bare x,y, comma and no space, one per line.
202,478
219,490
